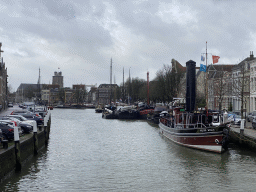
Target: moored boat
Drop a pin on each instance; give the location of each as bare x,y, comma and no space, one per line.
128,112
99,109
144,110
195,130
154,116
109,112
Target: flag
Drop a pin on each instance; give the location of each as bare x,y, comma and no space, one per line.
202,58
215,59
203,67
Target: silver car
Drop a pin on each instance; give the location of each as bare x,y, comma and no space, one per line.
249,116
252,116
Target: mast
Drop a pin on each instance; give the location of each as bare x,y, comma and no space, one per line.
38,84
110,80
148,87
123,84
129,87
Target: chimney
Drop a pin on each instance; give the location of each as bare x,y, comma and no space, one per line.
251,55
191,86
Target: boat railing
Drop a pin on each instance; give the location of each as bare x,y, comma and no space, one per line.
191,125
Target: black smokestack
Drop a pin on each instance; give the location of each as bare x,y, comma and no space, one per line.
191,86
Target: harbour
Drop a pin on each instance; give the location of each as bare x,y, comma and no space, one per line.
88,153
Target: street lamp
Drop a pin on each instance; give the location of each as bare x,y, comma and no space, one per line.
245,108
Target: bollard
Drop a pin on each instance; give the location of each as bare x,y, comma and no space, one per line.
225,117
49,123
242,127
48,126
17,149
35,138
45,129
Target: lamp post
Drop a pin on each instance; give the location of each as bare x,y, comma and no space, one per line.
245,110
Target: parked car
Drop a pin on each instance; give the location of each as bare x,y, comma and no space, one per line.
1,136
249,117
23,126
234,119
26,125
17,121
7,131
21,118
12,123
254,123
10,104
21,112
30,116
41,111
253,115
26,128
237,120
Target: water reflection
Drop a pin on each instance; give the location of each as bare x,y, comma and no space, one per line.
88,153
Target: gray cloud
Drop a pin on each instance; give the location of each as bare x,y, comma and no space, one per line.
80,37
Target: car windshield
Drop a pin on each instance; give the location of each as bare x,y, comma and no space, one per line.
39,109
23,118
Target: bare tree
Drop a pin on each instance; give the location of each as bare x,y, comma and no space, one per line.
221,86
167,83
241,84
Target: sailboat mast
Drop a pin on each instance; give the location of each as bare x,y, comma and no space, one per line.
123,84
148,87
110,80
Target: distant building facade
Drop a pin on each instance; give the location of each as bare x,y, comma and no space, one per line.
57,79
79,87
219,86
92,95
3,83
105,94
26,92
45,93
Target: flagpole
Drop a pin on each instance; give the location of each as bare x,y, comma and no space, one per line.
206,84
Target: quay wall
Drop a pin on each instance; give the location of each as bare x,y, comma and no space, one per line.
243,140
8,159
7,163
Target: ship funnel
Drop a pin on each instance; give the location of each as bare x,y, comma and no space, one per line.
191,86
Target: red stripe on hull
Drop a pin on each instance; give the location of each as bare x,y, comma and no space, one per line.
146,111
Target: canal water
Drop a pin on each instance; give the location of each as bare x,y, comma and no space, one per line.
88,153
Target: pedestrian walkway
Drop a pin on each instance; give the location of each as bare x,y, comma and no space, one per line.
248,130
9,110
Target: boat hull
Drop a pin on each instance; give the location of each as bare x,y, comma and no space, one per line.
128,115
143,114
109,115
209,141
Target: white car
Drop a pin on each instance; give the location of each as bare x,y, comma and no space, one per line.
23,119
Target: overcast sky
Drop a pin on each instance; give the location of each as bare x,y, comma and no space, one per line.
81,36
